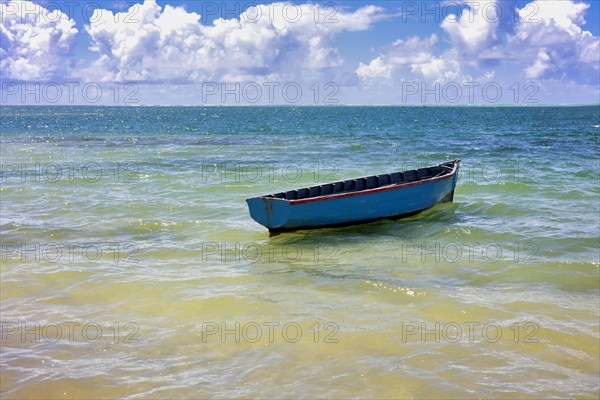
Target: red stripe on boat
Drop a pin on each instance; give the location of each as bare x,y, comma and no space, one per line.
369,191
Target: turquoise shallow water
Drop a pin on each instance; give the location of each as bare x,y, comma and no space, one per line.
130,265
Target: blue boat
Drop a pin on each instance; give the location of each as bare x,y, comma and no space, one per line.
360,200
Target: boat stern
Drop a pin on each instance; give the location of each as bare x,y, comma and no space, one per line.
270,212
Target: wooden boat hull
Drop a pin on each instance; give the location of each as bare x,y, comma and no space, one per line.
351,207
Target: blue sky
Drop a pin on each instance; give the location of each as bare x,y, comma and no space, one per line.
485,52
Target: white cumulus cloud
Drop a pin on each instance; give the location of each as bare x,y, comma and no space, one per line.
476,26
413,58
444,68
35,43
171,44
553,42
541,64
413,55
545,39
378,68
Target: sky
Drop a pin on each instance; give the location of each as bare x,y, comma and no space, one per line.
451,52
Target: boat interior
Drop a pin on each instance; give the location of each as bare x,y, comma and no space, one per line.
366,183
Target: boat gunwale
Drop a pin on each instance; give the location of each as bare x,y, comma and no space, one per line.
394,186
386,188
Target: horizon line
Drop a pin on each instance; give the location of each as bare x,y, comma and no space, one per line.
507,105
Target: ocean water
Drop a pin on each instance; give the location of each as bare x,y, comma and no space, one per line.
131,268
